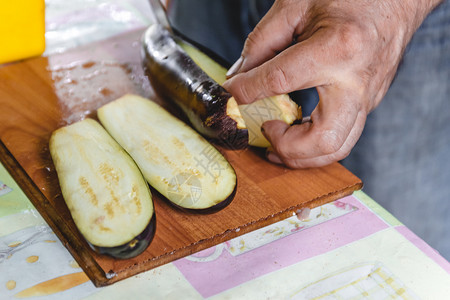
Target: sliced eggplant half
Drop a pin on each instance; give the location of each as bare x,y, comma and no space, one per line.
177,161
175,76
107,196
176,69
250,116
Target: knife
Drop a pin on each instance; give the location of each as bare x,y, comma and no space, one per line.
160,15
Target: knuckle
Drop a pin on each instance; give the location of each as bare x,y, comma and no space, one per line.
282,148
329,142
276,81
254,39
350,36
243,95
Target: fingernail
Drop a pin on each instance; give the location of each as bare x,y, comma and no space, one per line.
264,131
235,67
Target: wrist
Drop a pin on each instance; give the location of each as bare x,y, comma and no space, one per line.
415,12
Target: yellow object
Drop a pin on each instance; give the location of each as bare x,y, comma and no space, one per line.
22,29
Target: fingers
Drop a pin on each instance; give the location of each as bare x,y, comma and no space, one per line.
325,159
270,36
337,125
301,66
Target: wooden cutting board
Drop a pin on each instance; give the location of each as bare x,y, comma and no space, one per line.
42,94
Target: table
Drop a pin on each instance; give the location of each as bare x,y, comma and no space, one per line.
350,248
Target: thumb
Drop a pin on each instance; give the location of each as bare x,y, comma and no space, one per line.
274,129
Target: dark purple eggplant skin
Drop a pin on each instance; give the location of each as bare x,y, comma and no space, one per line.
175,76
202,211
213,209
133,248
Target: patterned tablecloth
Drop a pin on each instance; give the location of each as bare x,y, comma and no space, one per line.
348,249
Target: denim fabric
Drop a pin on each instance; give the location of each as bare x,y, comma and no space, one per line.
220,25
403,155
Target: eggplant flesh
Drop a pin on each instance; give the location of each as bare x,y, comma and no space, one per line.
177,161
105,192
279,107
175,76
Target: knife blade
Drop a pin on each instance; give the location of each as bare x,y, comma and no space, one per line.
160,15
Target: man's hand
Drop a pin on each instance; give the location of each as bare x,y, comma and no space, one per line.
348,50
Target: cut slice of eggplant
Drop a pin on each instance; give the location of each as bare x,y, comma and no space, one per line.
279,107
107,196
177,161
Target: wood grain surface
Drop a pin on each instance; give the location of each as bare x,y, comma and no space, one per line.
42,94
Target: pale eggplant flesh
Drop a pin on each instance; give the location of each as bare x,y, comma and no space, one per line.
109,200
175,160
175,76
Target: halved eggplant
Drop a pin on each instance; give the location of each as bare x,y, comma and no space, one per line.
108,198
181,72
177,161
174,75
250,116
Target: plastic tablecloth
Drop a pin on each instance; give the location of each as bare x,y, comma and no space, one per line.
348,249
